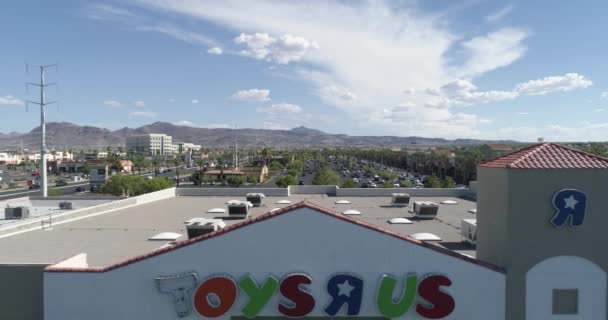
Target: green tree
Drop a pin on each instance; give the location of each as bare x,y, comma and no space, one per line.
387,185
433,182
326,176
285,181
252,179
297,165
119,185
236,181
86,168
155,164
138,162
292,172
275,165
350,183
448,182
177,162
406,184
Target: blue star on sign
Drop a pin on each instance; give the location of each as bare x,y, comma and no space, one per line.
571,205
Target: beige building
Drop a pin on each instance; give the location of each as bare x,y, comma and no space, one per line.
150,144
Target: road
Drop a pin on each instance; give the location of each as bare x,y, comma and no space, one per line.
18,193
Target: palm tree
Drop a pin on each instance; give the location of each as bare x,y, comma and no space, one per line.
200,163
220,163
155,164
177,161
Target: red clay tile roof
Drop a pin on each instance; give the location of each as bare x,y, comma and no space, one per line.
269,215
547,156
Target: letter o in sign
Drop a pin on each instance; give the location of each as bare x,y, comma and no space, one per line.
221,289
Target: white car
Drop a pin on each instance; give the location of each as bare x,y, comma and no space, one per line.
373,185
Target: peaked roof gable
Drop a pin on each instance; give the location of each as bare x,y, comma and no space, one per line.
270,215
547,156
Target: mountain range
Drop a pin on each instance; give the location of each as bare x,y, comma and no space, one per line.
64,135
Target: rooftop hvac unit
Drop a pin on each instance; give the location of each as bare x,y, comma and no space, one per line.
66,205
400,199
200,226
239,209
16,213
425,209
255,198
468,229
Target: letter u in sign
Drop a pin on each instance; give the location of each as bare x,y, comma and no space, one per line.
391,308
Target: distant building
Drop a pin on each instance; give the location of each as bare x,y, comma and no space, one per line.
150,144
99,176
181,147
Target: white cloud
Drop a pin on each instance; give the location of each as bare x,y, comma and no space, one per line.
336,96
215,50
522,113
464,92
282,50
600,110
143,114
281,108
195,101
10,101
113,103
494,50
187,123
137,22
252,95
139,104
583,131
604,95
567,82
365,48
171,100
498,15
184,123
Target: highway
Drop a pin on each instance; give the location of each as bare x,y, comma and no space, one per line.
18,193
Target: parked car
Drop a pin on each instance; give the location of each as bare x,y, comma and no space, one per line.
300,183
79,189
61,183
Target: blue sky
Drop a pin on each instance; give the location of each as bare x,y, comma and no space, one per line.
436,68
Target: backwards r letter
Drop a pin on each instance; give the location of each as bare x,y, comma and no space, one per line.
571,204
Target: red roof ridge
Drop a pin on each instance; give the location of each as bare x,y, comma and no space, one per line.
268,215
547,155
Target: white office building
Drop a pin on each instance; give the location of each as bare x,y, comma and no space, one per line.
150,144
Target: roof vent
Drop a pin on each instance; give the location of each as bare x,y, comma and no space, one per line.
274,209
255,198
425,209
197,227
399,221
342,202
16,213
352,213
233,201
425,236
165,236
239,209
216,210
283,202
449,202
400,199
468,230
474,210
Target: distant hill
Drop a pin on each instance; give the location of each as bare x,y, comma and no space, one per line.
73,136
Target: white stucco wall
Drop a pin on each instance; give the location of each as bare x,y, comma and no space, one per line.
303,241
566,272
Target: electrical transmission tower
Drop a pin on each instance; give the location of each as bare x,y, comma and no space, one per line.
42,103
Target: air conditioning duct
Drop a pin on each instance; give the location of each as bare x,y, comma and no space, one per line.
16,213
425,209
239,209
400,199
200,226
468,229
66,205
255,198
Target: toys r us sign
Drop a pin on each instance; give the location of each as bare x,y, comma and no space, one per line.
215,296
